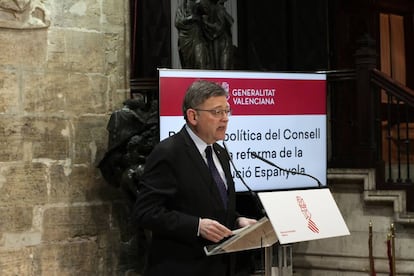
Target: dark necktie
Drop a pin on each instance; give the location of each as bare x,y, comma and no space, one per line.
216,176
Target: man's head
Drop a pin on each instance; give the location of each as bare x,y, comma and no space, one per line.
206,110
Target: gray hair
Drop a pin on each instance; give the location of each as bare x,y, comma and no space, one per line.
198,92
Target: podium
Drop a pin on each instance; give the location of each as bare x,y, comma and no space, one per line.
259,235
292,216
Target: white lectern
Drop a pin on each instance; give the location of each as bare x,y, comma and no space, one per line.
258,235
292,216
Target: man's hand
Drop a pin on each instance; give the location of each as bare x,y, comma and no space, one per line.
242,222
213,231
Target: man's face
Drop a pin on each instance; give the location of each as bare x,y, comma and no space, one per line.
210,127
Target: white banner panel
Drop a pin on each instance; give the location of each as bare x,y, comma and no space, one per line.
279,116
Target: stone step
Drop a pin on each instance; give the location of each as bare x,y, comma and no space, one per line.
366,178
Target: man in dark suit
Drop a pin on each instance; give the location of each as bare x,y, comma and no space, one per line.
179,199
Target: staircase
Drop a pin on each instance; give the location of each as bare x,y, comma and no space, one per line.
360,203
396,198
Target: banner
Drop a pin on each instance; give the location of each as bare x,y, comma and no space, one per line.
279,116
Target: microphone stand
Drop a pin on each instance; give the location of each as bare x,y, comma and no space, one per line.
268,252
252,193
285,170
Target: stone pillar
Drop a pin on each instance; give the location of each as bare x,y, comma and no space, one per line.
63,69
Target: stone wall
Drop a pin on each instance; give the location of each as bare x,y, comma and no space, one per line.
60,79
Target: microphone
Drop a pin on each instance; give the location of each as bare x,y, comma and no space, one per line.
252,193
283,169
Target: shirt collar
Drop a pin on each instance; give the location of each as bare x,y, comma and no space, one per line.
200,144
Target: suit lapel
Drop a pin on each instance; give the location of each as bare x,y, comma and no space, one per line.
194,154
201,165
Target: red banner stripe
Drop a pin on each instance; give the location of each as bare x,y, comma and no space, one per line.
253,96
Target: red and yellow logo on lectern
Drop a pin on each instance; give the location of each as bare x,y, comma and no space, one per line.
308,216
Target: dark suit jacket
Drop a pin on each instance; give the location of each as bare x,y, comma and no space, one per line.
176,190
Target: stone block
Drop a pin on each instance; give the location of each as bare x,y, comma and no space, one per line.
117,97
16,262
115,56
90,96
70,222
78,184
48,137
65,93
11,140
68,183
20,240
28,47
91,142
89,256
76,50
44,92
73,14
15,218
113,12
24,138
9,92
23,183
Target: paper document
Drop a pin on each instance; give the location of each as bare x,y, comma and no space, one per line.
258,235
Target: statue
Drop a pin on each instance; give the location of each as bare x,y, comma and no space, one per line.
193,48
204,34
133,132
217,26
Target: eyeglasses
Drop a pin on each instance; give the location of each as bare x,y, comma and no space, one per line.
217,112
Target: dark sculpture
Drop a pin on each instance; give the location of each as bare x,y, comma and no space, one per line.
133,132
204,34
218,30
192,44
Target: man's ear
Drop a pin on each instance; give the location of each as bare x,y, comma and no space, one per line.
192,116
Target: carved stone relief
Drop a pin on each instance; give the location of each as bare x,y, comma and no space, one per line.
23,14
